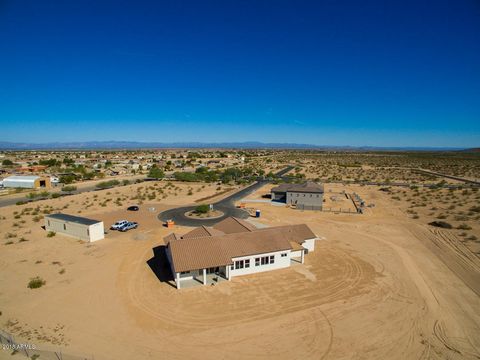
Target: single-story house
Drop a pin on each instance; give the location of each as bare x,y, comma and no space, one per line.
28,182
306,196
234,247
75,226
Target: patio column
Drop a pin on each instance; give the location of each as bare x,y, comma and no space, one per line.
177,280
204,276
303,252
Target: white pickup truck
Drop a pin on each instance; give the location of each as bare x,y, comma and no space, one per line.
118,224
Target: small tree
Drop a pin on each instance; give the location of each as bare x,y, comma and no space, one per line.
67,179
202,209
7,162
155,172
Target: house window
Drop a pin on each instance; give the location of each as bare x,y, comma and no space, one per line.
303,195
239,264
298,195
64,227
88,232
48,222
311,195
265,260
184,272
272,259
284,254
257,261
318,195
232,267
247,263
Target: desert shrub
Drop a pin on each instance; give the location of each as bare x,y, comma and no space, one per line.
51,234
36,282
464,227
441,224
22,239
69,188
9,242
20,203
107,184
202,209
56,195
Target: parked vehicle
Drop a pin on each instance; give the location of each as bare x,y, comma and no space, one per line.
133,208
118,224
129,226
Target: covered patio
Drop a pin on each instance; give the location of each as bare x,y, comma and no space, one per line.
210,276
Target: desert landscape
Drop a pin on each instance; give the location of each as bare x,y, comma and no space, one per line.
380,284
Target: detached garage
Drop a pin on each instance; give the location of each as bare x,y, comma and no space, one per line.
75,226
28,182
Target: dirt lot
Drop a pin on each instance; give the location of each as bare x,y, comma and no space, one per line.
373,288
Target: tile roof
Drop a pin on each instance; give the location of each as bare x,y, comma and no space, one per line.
201,231
199,252
232,225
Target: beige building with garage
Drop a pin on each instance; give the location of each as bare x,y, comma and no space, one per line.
75,226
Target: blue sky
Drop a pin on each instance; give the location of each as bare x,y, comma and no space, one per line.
381,73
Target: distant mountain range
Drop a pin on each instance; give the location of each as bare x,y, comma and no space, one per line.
101,145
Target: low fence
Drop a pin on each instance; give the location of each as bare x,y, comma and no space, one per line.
30,350
339,210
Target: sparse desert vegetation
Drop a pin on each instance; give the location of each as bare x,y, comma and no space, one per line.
368,266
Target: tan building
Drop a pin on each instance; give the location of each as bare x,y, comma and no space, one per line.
75,226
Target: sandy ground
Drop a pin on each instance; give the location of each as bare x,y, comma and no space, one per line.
373,288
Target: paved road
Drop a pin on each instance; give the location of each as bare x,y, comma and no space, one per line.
226,205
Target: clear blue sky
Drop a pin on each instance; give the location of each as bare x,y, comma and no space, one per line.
333,72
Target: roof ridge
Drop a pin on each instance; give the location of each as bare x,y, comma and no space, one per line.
207,230
240,223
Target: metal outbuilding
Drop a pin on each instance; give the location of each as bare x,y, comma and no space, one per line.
75,226
28,182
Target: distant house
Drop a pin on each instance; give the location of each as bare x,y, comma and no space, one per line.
28,182
30,169
75,226
307,196
234,247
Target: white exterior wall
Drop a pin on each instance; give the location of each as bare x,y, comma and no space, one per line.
97,232
189,275
280,262
309,244
79,231
296,254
